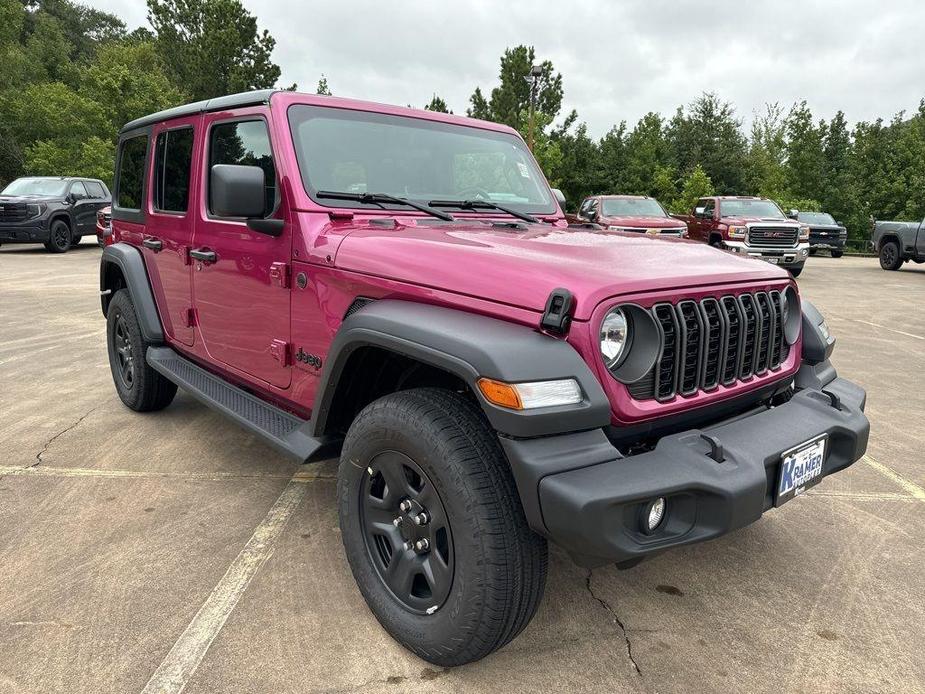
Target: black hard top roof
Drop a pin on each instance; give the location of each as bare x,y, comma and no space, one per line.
254,98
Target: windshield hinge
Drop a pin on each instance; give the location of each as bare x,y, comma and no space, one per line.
558,314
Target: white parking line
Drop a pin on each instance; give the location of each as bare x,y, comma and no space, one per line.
911,487
181,662
50,471
883,327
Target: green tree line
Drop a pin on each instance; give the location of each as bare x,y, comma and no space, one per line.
872,169
71,75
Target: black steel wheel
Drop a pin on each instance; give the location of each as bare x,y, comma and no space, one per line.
890,257
407,532
122,345
433,526
139,386
59,237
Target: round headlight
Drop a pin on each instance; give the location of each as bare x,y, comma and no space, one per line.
791,316
614,337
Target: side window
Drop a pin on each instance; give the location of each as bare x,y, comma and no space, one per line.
585,208
131,172
709,206
95,189
592,207
79,191
173,159
246,143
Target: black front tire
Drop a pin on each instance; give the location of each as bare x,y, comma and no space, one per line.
837,254
59,237
139,386
890,256
494,565
796,271
812,251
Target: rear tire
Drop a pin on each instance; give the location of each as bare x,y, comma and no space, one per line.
890,257
479,585
139,386
812,251
837,254
59,237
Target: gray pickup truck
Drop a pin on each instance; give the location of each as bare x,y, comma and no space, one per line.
897,242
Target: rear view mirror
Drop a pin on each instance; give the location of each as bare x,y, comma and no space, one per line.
237,191
560,197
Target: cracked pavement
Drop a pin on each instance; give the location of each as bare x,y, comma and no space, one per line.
115,528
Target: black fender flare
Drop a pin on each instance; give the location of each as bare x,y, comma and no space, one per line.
132,266
469,346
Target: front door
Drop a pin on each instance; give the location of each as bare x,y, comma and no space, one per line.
240,288
83,210
169,223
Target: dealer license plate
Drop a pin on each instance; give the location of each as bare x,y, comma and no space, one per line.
800,469
773,261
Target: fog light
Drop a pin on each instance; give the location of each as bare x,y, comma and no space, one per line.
653,514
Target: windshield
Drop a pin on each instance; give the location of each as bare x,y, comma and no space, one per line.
36,186
750,208
816,218
631,207
345,151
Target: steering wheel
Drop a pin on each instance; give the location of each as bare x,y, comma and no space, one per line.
475,194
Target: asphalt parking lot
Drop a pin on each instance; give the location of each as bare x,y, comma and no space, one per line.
117,528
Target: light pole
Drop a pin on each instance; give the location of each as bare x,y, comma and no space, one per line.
536,71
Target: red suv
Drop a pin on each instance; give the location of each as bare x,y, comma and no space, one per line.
400,288
630,213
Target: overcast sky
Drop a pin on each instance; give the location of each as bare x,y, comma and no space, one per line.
618,59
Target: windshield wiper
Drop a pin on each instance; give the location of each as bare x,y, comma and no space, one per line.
484,205
381,199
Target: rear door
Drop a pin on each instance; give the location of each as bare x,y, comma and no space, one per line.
169,223
241,292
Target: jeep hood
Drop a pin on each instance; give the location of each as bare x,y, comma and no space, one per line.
521,265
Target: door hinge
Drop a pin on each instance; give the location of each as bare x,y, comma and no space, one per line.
189,317
279,350
279,275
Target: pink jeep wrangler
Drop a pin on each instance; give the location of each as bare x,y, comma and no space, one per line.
400,288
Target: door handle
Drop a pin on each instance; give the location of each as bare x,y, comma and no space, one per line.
154,244
203,255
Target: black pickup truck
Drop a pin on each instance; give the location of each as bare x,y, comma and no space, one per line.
897,242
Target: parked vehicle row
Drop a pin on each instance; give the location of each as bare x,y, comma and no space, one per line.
54,211
825,234
491,379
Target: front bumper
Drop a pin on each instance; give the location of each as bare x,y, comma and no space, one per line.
593,507
785,257
817,242
33,231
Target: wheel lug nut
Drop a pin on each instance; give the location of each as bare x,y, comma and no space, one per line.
405,506
421,519
408,545
422,545
397,522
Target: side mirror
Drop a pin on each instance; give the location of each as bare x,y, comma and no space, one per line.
700,211
560,197
793,214
237,191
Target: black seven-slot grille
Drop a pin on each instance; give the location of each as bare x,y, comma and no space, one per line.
714,341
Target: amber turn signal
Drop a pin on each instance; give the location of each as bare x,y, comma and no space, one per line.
501,394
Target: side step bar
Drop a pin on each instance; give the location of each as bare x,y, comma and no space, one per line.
284,431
